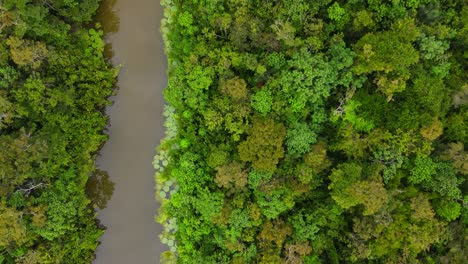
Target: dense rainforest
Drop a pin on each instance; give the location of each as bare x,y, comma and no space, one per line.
54,84
315,131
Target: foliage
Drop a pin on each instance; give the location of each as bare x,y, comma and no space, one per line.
262,101
315,131
264,145
53,89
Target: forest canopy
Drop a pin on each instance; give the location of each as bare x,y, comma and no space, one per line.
54,84
316,131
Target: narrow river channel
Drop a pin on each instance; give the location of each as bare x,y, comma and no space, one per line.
136,128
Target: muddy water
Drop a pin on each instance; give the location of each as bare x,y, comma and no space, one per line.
135,130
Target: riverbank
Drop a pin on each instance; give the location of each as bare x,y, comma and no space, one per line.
54,85
315,132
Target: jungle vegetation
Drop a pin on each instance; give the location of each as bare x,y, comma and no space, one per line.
316,131
54,84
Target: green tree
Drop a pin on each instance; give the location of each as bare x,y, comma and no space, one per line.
456,154
236,88
390,54
299,138
27,53
448,210
338,14
264,145
12,229
262,101
231,176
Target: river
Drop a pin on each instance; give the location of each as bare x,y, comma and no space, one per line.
135,130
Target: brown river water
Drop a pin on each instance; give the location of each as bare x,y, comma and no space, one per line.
133,31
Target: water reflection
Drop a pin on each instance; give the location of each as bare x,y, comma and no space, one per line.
100,188
107,17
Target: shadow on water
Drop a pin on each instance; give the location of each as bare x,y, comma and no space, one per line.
110,23
100,188
106,15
